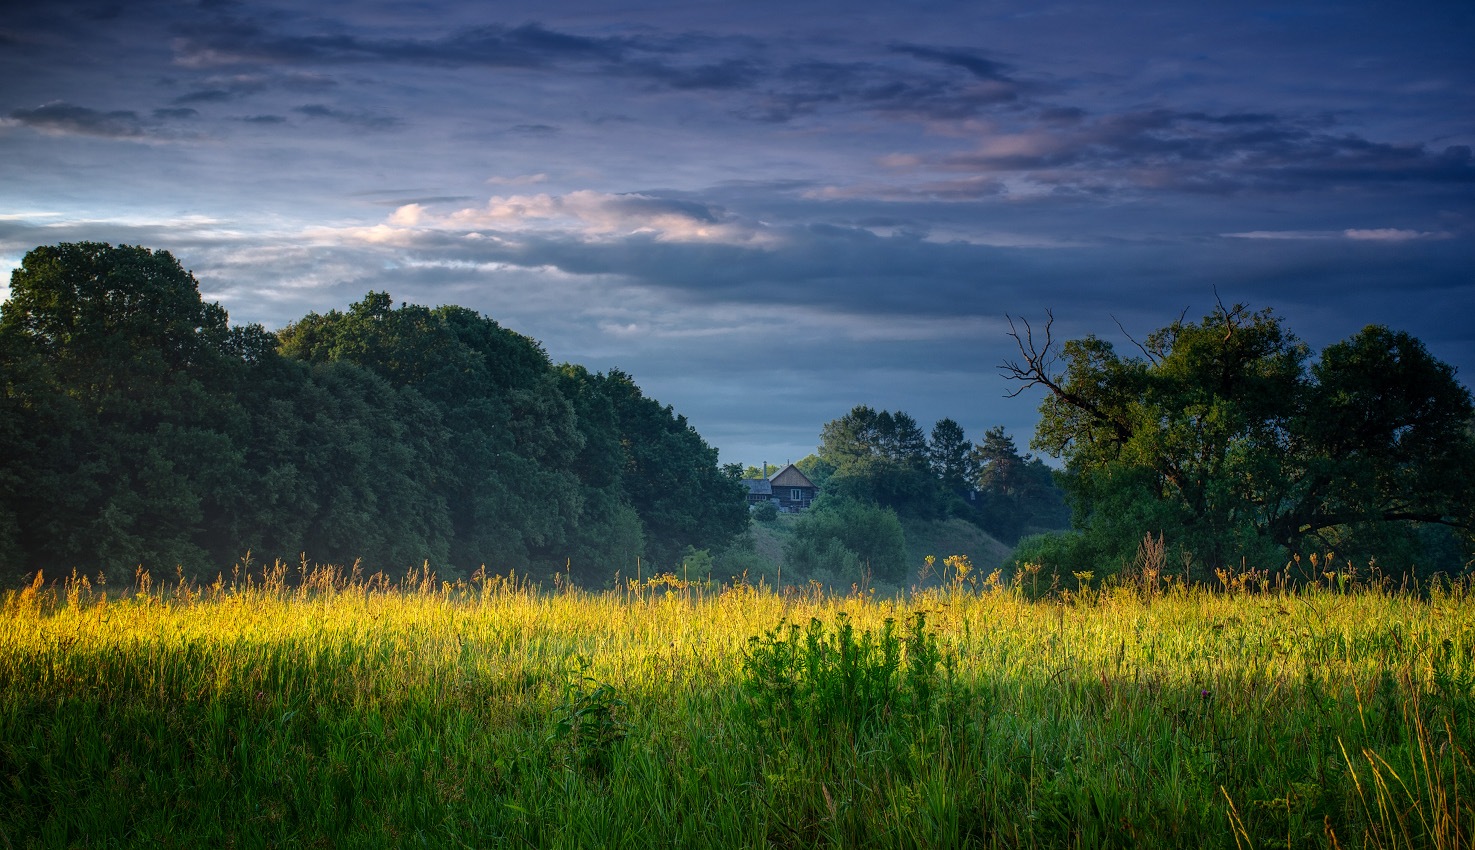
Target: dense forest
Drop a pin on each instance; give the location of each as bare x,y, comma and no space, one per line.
141,428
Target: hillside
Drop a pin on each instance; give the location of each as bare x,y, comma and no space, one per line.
953,537
923,538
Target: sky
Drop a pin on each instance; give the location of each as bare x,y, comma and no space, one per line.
769,213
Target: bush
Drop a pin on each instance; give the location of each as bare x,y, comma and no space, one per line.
1058,554
837,541
813,681
765,512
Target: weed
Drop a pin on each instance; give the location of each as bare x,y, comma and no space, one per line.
587,729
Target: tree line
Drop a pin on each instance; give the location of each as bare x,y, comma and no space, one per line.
1240,448
142,428
878,468
1223,446
885,458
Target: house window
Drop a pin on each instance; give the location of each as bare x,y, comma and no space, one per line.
796,495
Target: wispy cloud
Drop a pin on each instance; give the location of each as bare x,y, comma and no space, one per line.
1394,234
518,180
1378,234
363,120
230,41
59,118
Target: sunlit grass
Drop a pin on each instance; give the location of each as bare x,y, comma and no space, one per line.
321,708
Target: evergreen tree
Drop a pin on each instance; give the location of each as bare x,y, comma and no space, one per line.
950,456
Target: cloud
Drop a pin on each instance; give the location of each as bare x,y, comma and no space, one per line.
519,180
961,189
582,216
59,118
428,199
771,85
237,41
728,74
225,88
1286,234
970,60
534,130
1190,151
1393,234
1381,234
363,120
915,91
207,96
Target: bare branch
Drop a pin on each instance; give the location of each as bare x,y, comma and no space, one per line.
1037,363
1140,347
1036,367
1225,313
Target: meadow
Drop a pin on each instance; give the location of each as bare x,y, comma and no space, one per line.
322,708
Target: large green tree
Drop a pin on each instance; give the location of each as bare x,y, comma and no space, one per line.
672,478
1016,494
504,443
1231,439
882,458
140,428
123,432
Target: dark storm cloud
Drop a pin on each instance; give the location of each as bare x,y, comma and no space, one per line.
265,119
207,96
533,130
909,91
1201,152
909,81
979,66
730,74
226,41
363,120
645,206
854,270
68,119
222,89
177,114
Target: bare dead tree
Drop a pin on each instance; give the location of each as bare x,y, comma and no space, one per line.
1037,363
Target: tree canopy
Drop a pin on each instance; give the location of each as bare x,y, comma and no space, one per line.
1231,439
882,458
142,429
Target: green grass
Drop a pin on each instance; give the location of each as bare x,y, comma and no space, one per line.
347,713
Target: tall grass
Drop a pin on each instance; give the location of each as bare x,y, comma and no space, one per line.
324,708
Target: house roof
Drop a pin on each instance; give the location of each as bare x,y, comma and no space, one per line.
790,476
758,486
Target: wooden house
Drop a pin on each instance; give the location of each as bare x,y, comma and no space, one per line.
791,489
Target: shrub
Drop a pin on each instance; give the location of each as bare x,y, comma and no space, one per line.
765,512
802,681
843,539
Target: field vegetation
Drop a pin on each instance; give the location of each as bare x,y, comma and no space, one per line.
318,707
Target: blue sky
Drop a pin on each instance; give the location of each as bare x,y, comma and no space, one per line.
769,213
